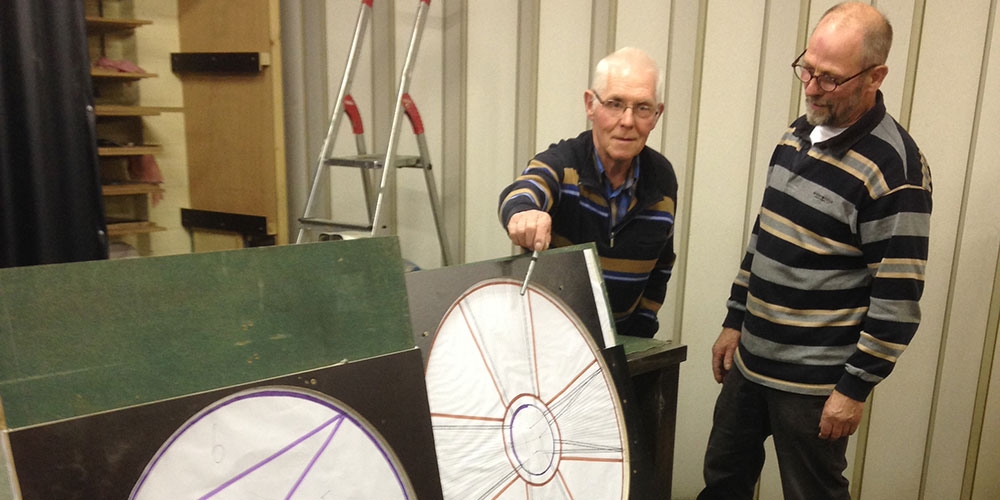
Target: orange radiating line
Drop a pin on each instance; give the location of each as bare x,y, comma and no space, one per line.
562,479
584,459
571,382
467,417
482,355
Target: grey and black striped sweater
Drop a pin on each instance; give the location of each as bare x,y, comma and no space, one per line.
637,254
827,294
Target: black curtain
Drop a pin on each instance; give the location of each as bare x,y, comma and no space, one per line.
51,208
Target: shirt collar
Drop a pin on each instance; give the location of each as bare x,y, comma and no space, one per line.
630,181
843,142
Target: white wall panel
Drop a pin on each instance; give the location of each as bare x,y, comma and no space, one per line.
900,15
490,124
721,171
676,131
642,24
345,184
944,133
901,406
727,102
415,220
987,478
563,70
647,24
984,207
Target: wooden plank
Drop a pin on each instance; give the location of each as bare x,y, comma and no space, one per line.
136,227
130,188
105,24
88,337
119,110
147,149
235,141
120,75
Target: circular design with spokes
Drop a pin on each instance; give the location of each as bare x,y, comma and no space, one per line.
522,403
532,440
274,442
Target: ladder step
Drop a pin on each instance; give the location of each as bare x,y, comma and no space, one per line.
312,221
372,161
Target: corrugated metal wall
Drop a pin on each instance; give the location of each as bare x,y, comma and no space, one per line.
499,80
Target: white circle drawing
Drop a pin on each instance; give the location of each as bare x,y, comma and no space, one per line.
522,403
274,442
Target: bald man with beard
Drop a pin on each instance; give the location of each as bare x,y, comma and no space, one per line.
827,294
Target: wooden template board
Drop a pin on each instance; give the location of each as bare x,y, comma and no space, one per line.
88,337
570,273
529,394
159,449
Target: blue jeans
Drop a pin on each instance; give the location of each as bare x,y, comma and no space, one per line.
747,413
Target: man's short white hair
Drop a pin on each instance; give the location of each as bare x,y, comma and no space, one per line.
623,61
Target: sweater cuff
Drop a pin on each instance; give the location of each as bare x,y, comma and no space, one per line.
854,388
734,320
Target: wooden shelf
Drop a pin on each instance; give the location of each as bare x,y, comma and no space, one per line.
146,149
133,227
120,110
119,75
105,24
130,188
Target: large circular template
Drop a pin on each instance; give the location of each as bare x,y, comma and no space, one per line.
522,403
274,442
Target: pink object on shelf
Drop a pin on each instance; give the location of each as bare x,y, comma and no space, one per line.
120,65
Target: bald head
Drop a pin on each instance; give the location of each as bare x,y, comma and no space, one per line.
624,62
875,30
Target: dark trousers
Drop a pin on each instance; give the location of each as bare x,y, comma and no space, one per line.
747,413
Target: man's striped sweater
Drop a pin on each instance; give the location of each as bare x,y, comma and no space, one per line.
637,254
827,293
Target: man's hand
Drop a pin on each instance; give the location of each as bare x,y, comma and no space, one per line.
841,416
531,229
723,352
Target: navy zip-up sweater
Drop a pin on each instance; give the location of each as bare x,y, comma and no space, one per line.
827,294
637,254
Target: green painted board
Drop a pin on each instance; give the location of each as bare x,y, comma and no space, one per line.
80,338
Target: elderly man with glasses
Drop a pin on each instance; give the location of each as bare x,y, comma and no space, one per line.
607,187
827,295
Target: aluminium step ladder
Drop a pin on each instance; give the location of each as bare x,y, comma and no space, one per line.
376,178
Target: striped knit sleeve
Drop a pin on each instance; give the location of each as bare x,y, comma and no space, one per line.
537,188
737,303
894,233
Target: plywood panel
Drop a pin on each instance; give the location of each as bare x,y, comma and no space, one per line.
234,122
89,337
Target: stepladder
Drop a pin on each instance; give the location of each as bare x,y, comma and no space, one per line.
378,171
371,168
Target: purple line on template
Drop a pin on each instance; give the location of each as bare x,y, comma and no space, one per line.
269,393
258,465
314,459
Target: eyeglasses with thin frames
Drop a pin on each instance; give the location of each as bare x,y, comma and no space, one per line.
826,82
617,108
